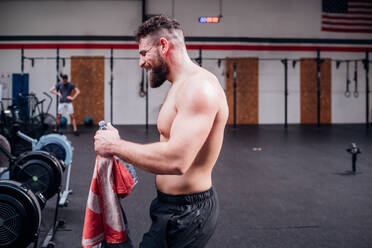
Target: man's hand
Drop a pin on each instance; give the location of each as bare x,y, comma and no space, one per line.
70,98
106,140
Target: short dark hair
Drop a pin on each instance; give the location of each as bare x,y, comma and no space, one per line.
64,76
155,24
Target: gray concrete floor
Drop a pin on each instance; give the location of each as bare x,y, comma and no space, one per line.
291,192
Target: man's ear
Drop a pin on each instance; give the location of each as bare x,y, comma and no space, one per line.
164,45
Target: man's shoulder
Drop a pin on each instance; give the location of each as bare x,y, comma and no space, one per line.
204,83
198,93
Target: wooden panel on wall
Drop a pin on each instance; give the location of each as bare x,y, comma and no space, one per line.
246,90
88,74
308,79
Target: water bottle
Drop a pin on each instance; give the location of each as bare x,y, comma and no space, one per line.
130,168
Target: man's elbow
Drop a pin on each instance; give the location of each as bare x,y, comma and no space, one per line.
178,160
181,167
179,171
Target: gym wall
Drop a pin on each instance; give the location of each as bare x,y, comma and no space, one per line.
241,19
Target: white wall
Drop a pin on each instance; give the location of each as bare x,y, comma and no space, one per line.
69,17
348,109
254,18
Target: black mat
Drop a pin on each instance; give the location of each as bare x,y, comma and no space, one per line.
276,188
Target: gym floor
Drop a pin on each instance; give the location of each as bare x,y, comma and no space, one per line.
276,188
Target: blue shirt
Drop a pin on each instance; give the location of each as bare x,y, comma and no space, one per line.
65,90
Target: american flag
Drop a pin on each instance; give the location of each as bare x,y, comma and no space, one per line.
347,16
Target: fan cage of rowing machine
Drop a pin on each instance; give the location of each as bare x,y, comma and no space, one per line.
20,214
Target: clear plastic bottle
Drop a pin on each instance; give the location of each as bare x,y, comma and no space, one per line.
130,168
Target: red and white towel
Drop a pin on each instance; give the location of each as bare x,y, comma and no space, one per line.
103,216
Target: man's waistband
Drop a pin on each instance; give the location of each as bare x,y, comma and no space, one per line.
187,198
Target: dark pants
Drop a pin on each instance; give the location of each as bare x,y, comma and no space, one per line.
182,220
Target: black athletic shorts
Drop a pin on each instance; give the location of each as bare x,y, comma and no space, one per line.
182,220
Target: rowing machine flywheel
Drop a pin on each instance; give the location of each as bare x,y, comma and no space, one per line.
39,171
20,214
4,161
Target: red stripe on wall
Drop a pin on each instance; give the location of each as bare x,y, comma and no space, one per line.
345,30
40,46
348,23
360,1
359,7
279,48
359,12
356,18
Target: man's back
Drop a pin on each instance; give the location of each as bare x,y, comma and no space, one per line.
191,99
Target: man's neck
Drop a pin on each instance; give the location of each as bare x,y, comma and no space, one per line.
180,64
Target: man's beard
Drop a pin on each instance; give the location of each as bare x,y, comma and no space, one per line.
158,74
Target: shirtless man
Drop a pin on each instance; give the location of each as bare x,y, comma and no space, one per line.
191,123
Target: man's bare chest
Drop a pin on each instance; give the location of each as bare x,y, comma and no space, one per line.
166,116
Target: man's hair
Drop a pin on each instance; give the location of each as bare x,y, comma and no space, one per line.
156,24
64,76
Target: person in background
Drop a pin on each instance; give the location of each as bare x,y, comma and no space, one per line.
65,106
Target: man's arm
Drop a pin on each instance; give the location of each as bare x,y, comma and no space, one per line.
54,91
196,112
77,92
